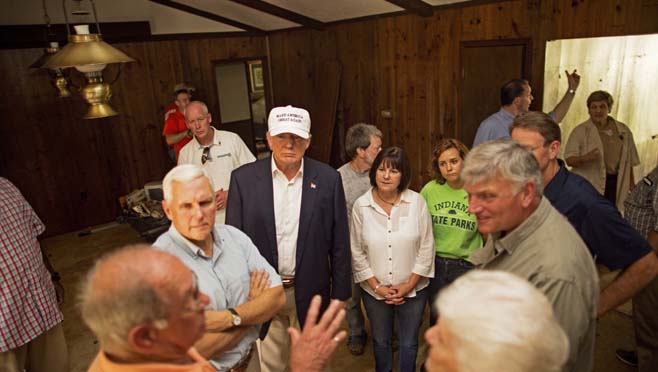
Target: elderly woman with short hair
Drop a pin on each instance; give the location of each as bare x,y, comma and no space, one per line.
495,321
392,258
602,150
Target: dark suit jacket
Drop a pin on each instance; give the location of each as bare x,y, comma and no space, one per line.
323,262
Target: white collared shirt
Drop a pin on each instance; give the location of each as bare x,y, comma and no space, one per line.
390,248
287,207
227,152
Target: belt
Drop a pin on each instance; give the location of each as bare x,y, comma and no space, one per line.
242,364
288,282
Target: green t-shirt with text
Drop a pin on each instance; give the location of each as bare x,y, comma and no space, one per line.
455,230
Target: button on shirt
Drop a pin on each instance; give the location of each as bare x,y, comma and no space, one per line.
287,206
391,248
224,277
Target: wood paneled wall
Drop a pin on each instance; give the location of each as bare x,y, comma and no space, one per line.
72,170
411,65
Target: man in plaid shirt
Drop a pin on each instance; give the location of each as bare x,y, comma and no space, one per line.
31,335
641,211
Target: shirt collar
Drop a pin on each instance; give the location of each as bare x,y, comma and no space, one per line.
191,248
405,197
276,169
512,240
215,139
506,113
555,185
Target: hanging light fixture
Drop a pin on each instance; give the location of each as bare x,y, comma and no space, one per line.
57,75
89,54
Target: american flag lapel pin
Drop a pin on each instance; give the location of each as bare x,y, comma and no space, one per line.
313,185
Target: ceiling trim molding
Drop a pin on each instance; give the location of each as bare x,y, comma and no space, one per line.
208,15
418,7
281,13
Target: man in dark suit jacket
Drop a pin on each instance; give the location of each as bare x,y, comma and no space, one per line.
293,209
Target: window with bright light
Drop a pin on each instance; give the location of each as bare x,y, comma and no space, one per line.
623,66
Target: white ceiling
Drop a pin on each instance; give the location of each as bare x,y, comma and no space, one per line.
166,20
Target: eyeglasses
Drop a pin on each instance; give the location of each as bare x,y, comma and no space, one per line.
205,156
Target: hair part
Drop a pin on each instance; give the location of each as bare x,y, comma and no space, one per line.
394,158
503,158
358,137
443,145
600,95
500,322
511,90
538,122
183,173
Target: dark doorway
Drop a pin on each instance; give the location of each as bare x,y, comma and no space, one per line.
485,66
243,100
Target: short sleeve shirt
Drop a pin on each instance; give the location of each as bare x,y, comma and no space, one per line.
224,277
610,239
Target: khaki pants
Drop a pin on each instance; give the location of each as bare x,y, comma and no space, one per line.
46,353
645,314
275,348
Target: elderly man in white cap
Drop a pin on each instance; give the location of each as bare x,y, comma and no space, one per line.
293,209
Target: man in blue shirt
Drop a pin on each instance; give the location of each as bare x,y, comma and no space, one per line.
610,239
227,265
515,99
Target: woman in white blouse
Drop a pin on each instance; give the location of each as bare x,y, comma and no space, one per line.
392,257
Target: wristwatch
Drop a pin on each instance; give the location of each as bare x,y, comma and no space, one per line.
237,320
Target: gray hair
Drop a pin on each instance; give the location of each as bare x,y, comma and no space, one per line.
183,173
500,322
358,136
503,158
111,313
204,107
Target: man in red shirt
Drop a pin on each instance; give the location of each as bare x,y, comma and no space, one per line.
175,129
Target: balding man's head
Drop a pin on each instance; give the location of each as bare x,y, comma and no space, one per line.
143,304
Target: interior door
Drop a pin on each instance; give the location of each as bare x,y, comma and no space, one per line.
486,66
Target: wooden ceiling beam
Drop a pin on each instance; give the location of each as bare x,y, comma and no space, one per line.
282,13
419,7
208,15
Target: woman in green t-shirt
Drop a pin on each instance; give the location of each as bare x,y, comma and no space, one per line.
455,230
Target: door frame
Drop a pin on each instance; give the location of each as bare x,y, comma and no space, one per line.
527,70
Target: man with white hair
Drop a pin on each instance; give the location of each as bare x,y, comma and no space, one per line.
293,208
147,310
227,265
218,151
529,238
497,322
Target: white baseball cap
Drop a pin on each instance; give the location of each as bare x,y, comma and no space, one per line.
289,120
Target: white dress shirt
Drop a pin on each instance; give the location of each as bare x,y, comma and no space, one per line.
287,207
391,248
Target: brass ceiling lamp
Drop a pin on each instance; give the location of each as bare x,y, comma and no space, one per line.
57,75
89,54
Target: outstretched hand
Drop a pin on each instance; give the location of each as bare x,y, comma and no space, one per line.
313,347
